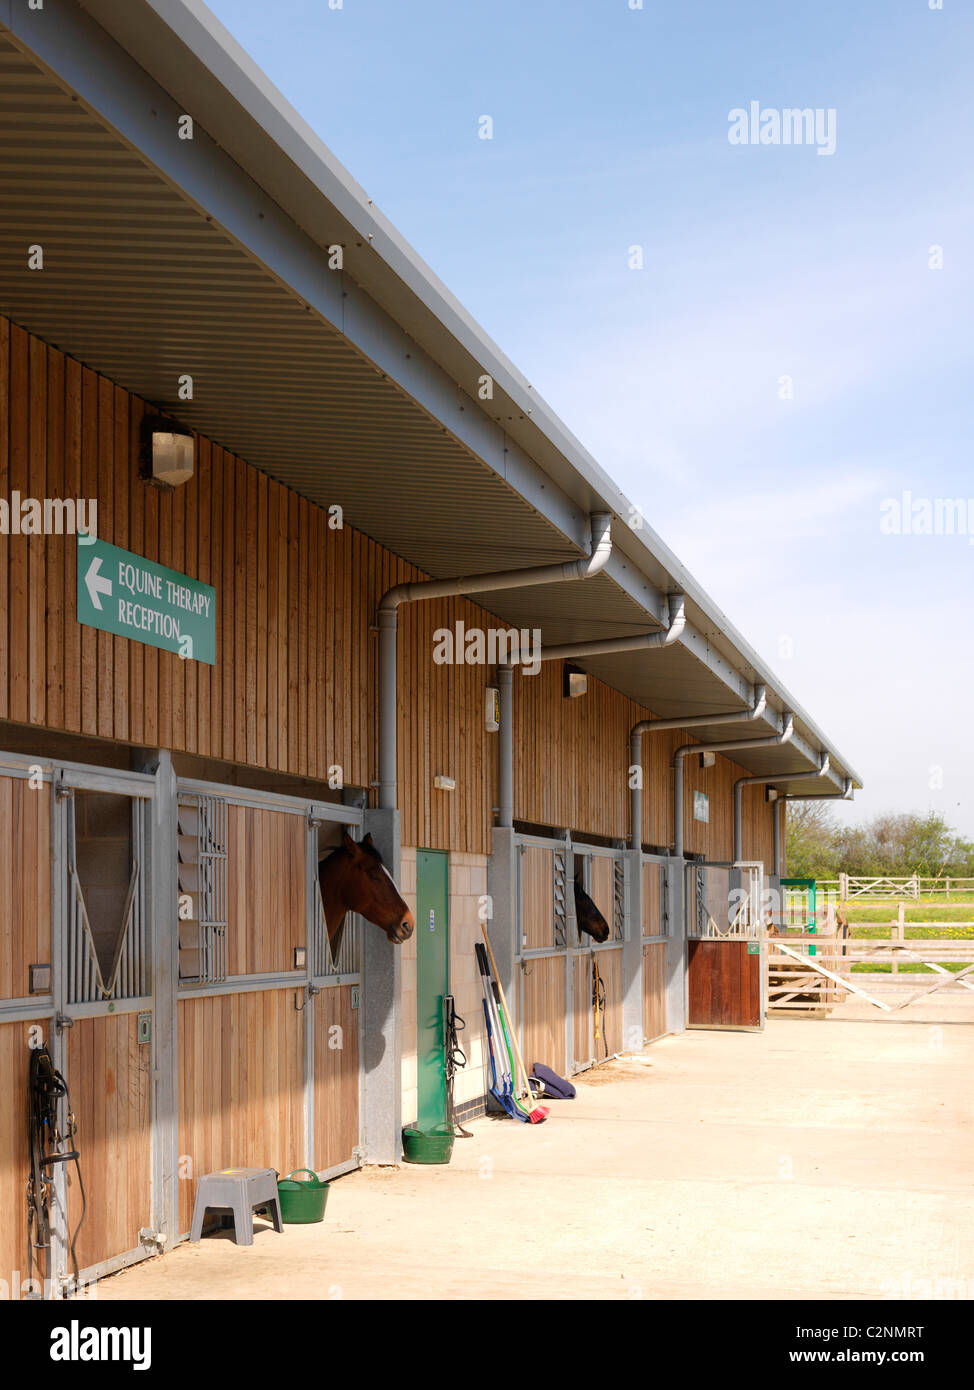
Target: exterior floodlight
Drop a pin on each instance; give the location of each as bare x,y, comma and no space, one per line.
167,454
708,759
772,794
575,683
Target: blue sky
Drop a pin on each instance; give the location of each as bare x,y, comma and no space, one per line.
759,263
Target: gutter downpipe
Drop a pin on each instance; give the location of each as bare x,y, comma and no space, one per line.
696,721
388,624
743,782
844,795
646,641
775,740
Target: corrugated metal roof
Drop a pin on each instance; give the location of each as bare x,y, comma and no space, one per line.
143,286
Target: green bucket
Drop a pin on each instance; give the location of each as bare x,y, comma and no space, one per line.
302,1200
434,1146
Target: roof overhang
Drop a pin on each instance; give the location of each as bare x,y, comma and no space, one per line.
209,256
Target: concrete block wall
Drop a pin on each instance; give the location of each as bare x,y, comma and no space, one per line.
468,884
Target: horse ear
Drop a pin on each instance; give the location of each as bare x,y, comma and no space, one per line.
348,843
367,839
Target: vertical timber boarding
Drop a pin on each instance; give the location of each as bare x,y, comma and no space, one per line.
84,837
76,851
655,931
291,1097
556,965
598,1033
541,929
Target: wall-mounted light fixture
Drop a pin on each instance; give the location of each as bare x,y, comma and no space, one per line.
771,794
444,784
167,453
492,709
707,759
575,682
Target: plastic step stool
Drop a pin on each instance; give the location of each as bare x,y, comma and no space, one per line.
238,1190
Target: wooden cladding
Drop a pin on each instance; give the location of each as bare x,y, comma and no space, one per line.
571,769
241,1086
293,689
543,1002
610,1021
25,883
537,898
336,1070
15,1150
266,890
654,991
653,924
109,1073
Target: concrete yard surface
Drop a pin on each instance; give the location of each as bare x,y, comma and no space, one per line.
822,1159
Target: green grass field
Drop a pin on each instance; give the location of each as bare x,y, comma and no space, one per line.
915,912
873,920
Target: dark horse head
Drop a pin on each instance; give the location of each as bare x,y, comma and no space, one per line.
588,917
354,879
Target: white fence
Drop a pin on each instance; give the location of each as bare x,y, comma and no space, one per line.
848,886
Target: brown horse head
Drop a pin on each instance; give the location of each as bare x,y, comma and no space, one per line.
353,878
588,917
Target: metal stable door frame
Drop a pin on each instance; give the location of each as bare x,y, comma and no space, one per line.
317,949
755,935
310,979
66,780
588,949
563,846
672,940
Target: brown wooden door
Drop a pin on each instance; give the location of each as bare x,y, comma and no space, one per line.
723,985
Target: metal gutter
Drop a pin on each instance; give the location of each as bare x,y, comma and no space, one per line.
388,623
183,45
679,756
758,704
743,782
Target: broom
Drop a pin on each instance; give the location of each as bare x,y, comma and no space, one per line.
540,1112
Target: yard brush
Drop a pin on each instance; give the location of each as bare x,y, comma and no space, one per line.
536,1113
502,1056
499,1089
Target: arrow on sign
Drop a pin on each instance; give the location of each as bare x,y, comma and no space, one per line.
96,583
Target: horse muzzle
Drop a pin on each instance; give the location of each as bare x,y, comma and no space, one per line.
402,931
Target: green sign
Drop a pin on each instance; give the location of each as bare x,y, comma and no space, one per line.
123,593
754,948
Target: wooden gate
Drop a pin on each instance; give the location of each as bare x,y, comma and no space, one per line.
725,974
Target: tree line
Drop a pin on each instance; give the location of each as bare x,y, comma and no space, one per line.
892,846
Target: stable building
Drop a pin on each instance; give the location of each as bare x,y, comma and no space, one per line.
277,574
